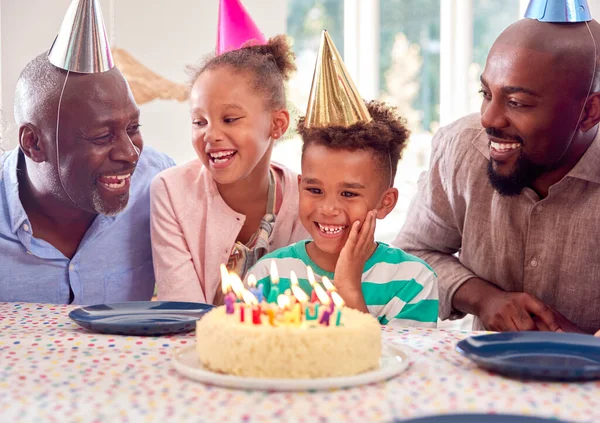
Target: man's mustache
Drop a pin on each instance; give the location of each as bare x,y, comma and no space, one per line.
497,133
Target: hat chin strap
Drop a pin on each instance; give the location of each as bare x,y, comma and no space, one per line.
57,143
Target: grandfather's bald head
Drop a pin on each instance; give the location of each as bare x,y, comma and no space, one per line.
37,92
569,44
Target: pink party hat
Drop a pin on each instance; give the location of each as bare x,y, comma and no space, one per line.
235,27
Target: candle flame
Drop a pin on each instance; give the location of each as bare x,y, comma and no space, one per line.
236,284
338,301
274,273
225,286
251,280
310,276
300,294
249,297
283,301
293,278
321,294
327,284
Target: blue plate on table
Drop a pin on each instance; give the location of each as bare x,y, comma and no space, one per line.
150,318
479,418
546,356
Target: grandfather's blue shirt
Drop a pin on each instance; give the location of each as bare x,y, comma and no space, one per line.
113,262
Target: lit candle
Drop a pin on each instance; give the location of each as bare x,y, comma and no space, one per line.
271,313
256,313
236,284
258,292
228,296
296,290
310,275
283,301
274,294
339,303
325,316
321,294
329,286
292,317
242,314
312,311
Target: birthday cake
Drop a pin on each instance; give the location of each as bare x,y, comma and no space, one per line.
293,338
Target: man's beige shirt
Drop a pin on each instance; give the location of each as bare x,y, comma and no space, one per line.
549,248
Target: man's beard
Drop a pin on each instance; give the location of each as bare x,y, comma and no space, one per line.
101,207
524,174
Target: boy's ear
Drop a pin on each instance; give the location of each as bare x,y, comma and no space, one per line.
280,124
388,202
31,143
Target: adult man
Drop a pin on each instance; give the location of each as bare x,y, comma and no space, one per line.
515,190
75,227
74,196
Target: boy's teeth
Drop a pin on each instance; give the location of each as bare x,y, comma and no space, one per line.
505,146
331,229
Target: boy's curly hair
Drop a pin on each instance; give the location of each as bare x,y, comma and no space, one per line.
385,136
270,66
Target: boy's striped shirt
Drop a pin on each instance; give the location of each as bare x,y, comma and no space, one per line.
398,288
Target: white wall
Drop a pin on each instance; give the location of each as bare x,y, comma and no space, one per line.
165,36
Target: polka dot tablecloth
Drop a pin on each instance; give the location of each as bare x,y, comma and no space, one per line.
51,370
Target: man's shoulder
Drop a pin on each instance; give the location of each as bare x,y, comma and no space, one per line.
153,162
462,132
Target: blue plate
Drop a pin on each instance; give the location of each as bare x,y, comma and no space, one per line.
480,418
536,355
151,318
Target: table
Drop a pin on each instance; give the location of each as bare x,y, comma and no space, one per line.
51,370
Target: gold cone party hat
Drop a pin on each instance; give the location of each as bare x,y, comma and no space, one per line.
81,44
334,99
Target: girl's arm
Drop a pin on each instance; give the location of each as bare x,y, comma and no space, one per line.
176,277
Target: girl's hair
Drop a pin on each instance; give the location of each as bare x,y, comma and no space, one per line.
269,65
385,136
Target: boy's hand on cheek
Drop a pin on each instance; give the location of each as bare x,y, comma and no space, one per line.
351,262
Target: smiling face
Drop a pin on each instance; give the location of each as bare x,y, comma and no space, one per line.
231,125
99,141
337,188
530,111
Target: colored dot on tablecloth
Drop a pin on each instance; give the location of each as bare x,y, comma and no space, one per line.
16,342
165,345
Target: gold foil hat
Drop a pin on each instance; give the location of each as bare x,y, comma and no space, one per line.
334,99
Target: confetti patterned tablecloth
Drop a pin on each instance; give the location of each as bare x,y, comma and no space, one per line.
51,370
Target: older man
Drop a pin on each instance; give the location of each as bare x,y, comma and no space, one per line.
515,190
74,214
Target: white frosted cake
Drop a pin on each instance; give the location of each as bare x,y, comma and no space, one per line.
270,344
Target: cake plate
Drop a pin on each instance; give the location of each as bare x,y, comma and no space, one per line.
394,360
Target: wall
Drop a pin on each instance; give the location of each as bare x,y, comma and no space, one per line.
165,36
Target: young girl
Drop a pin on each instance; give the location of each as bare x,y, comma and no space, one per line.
231,205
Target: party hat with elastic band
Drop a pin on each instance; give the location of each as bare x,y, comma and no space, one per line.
81,44
559,11
235,27
334,99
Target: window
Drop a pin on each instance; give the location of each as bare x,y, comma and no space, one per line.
416,56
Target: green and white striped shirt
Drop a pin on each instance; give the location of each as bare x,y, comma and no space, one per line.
399,289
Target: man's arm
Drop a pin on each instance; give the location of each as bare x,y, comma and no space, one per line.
176,277
431,232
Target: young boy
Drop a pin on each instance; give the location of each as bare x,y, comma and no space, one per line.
348,167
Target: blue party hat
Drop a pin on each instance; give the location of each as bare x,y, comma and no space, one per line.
565,11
